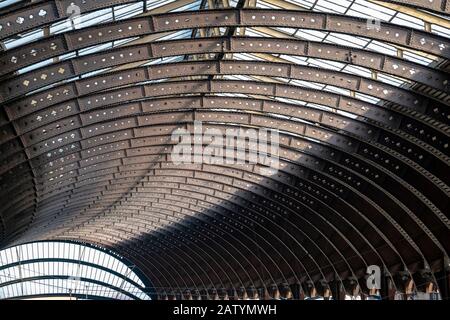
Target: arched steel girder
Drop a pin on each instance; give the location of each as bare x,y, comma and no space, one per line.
121,55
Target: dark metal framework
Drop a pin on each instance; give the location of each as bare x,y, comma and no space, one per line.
88,158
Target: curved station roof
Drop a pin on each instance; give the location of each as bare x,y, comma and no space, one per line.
92,91
58,270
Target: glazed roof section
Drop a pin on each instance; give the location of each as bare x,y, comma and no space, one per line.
65,268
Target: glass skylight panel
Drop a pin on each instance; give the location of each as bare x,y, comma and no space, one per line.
383,48
287,31
336,6
95,48
250,32
311,35
439,30
122,42
52,268
360,71
61,26
85,254
346,40
128,10
44,250
189,7
10,255
297,59
247,56
95,18
182,34
308,84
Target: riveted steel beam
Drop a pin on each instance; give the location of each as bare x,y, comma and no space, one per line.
397,35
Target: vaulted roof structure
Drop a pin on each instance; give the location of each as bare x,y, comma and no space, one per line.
92,91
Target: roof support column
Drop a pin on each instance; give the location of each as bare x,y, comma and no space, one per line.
443,279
